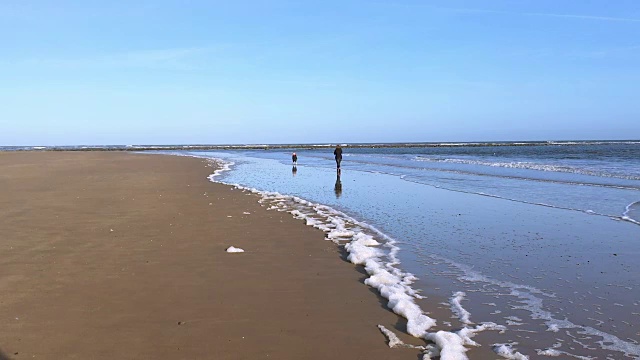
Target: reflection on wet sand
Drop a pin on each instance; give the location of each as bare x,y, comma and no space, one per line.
338,187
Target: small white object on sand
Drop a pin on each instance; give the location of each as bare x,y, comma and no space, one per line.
232,249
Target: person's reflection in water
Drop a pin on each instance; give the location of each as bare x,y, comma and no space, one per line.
338,187
294,170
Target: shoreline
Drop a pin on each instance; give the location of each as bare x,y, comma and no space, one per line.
388,281
543,228
120,254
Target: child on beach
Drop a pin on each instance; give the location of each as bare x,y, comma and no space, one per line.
294,158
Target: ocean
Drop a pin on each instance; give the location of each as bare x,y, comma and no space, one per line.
524,250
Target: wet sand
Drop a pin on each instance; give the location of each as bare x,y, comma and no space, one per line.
109,255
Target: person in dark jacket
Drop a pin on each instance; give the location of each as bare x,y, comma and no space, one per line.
338,154
294,159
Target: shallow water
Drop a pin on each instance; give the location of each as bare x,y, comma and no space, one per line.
541,242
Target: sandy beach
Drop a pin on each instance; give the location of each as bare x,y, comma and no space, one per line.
110,255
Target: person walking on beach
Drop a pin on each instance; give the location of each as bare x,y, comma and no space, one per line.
338,154
294,159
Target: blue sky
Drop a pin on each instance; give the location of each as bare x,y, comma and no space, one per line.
160,72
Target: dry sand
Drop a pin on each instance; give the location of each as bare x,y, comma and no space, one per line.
108,255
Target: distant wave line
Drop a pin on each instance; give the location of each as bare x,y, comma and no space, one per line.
150,147
529,166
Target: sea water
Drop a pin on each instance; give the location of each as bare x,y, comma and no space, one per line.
534,249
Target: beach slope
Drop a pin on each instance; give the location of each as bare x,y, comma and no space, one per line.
112,255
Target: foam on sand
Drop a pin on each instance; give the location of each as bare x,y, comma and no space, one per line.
554,352
342,230
232,249
377,253
457,308
507,351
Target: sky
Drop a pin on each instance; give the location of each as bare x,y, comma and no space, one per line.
264,72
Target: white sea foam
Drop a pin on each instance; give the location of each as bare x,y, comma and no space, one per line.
633,207
364,250
232,249
507,351
395,342
527,166
451,345
222,167
457,308
549,352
